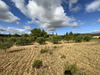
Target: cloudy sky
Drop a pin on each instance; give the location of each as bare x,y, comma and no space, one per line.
61,16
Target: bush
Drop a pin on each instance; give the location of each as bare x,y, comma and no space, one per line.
13,39
50,52
6,45
63,56
55,40
78,38
23,41
43,50
3,39
87,38
68,38
37,64
71,69
31,39
41,40
55,47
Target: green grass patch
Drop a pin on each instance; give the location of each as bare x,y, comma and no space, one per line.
43,51
37,64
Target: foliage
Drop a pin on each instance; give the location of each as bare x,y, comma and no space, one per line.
55,47
3,39
38,33
50,52
63,56
5,45
72,68
78,38
43,33
55,40
37,64
67,38
16,35
12,39
43,50
24,35
41,40
23,41
87,38
70,34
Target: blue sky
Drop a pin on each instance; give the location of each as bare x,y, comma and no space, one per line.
61,16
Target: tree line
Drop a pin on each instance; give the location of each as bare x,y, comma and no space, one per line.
40,36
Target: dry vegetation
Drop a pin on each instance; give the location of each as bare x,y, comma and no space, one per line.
18,60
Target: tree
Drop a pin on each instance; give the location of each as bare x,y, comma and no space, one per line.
43,33
16,35
71,34
36,32
67,34
5,45
68,38
87,38
56,34
78,38
25,35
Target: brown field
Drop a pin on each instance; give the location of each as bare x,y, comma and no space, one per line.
19,59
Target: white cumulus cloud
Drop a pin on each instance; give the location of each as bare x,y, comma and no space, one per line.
26,27
5,14
98,20
72,8
50,13
12,30
93,6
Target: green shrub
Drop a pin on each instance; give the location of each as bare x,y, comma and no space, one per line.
68,38
72,68
78,38
3,39
55,47
23,41
50,52
41,40
43,50
63,56
37,64
6,45
87,38
31,39
55,40
13,39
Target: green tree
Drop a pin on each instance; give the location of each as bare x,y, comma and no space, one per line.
56,34
67,34
78,38
25,35
43,33
70,34
67,38
36,32
6,45
16,35
87,38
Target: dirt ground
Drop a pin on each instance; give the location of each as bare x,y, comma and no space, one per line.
19,59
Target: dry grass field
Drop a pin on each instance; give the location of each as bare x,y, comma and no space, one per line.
19,59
